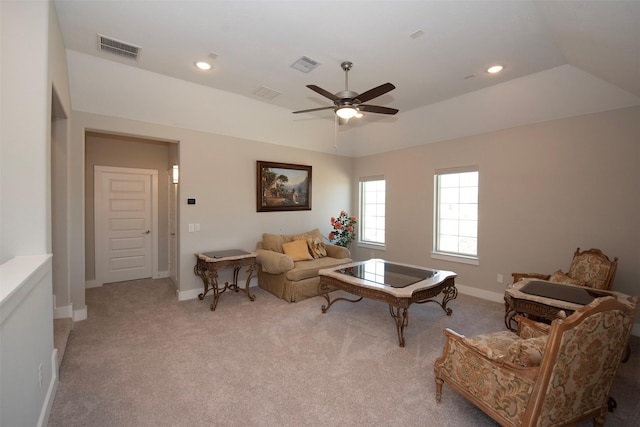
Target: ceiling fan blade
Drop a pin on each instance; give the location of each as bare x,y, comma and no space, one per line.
313,109
375,92
323,92
377,109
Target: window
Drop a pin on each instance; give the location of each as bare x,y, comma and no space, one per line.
372,210
456,213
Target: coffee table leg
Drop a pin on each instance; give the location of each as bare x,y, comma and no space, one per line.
324,290
401,316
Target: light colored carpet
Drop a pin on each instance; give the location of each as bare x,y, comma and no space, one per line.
144,359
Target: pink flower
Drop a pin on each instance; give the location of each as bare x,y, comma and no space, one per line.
338,225
354,219
350,228
331,236
333,220
342,213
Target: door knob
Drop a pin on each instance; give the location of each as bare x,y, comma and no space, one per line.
146,232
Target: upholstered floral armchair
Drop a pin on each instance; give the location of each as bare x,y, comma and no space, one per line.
543,375
589,268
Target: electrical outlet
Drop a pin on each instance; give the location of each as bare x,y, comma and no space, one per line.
40,376
500,278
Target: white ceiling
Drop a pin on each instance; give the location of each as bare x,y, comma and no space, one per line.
257,41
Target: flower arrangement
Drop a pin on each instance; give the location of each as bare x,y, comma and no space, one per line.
344,231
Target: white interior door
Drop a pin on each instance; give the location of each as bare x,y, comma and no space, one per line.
124,221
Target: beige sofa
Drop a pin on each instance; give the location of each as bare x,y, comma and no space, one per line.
294,276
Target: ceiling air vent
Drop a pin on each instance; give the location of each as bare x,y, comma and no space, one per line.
117,47
265,92
305,64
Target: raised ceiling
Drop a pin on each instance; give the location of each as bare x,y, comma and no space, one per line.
257,41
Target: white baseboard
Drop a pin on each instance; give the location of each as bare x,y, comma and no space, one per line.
190,294
80,314
43,419
92,284
480,293
63,312
498,297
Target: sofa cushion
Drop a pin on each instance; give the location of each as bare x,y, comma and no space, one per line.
313,234
272,242
297,250
307,269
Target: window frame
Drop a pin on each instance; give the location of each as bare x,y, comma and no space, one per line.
361,211
437,253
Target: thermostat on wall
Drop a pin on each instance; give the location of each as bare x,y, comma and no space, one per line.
191,201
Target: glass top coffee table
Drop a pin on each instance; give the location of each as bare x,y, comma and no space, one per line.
399,285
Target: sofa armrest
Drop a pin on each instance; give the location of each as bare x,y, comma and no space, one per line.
273,262
338,252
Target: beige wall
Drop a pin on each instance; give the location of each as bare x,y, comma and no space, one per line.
220,173
127,152
545,189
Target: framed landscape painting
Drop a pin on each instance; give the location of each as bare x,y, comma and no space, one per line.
283,187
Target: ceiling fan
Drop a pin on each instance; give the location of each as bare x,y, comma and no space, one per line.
347,103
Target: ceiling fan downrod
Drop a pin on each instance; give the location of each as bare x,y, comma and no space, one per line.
346,66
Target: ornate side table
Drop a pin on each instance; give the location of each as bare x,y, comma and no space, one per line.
209,263
545,301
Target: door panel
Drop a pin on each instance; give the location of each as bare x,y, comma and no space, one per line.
126,226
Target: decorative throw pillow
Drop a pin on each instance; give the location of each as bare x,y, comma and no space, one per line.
560,277
527,352
297,250
317,248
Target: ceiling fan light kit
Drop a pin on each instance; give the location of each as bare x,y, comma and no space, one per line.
346,112
348,104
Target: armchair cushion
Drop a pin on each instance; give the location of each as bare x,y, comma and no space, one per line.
560,277
509,346
527,352
493,345
592,268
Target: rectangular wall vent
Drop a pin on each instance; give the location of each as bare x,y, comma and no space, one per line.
117,47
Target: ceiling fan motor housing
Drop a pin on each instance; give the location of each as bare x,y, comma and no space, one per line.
347,97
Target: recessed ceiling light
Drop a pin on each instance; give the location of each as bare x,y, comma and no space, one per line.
203,65
495,69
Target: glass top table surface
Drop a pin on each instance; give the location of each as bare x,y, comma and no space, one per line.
572,294
387,274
